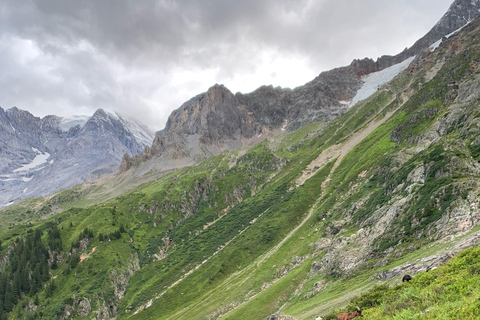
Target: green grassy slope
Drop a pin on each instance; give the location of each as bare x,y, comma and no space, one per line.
448,292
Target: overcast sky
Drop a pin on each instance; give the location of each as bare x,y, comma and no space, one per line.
145,58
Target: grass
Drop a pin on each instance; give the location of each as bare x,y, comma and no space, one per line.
448,292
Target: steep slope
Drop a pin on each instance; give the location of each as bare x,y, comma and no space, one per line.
40,156
460,13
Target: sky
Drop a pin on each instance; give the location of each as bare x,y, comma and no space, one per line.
143,59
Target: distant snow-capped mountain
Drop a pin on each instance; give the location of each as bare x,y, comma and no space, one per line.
39,156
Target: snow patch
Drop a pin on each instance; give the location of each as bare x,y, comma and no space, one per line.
137,132
69,122
25,179
37,161
5,179
113,115
373,81
25,190
436,44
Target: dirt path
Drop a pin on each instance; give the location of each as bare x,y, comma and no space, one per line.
86,256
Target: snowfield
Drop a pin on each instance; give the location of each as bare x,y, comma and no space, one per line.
375,80
40,159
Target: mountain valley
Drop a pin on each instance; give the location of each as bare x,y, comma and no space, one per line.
276,204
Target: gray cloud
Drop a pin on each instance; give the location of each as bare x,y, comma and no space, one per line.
144,58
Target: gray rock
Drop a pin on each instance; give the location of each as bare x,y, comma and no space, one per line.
84,308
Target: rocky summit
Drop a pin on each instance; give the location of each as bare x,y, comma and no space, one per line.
42,155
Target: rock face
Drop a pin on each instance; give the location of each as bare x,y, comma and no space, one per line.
321,99
211,120
41,155
218,120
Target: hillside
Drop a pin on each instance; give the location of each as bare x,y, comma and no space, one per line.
297,224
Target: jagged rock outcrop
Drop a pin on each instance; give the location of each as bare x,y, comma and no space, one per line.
211,120
215,116
126,163
217,120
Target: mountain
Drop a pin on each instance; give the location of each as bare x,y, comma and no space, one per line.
219,120
460,13
298,225
42,155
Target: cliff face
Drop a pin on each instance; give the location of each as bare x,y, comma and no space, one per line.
216,116
218,120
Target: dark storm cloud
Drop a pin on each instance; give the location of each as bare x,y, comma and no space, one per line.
67,57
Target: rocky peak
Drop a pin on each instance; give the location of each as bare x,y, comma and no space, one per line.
51,122
15,112
214,115
362,67
219,95
458,15
100,116
39,156
21,118
195,113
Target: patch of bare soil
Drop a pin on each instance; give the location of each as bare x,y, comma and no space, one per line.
338,151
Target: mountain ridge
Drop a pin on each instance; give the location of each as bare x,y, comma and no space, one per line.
76,153
195,131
